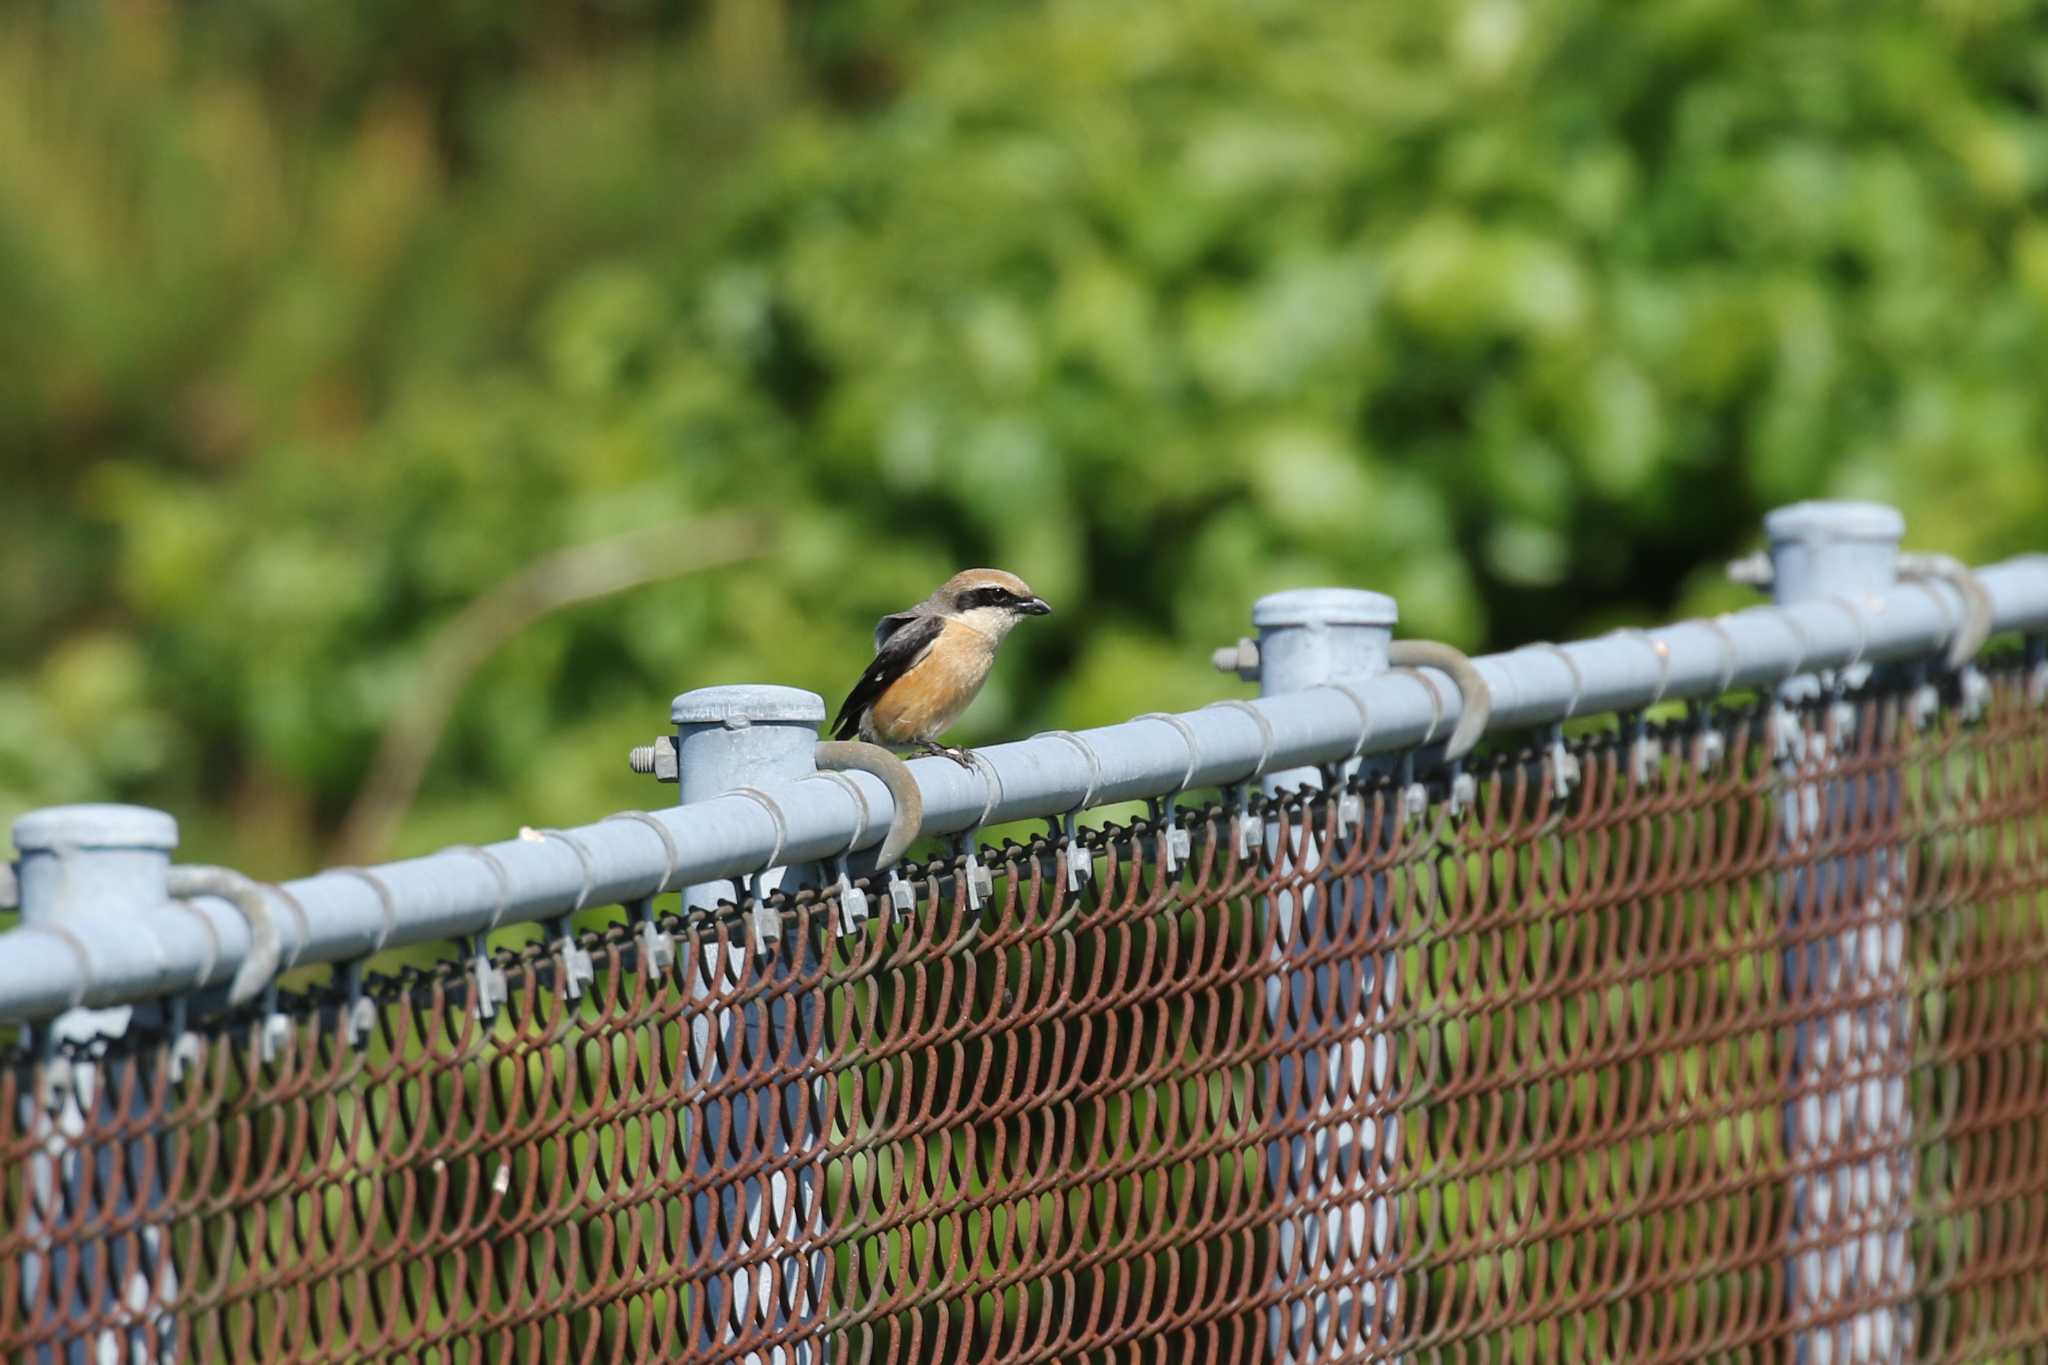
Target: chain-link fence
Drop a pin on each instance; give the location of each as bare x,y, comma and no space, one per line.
1715,1038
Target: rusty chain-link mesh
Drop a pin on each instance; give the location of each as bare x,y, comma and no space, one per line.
1732,1055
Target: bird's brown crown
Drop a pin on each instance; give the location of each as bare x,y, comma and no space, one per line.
967,580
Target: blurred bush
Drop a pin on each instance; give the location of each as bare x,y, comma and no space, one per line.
318,321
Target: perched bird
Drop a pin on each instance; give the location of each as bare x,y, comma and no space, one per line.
933,658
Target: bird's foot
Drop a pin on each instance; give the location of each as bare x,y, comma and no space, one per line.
959,756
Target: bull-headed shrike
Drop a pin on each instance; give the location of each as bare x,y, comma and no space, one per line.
931,660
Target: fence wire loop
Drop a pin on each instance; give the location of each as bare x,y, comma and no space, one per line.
1658,648
1187,735
1436,699
1850,609
1729,654
384,901
499,874
992,784
670,855
1563,656
861,813
1350,694
583,861
1267,741
1475,696
774,809
1784,617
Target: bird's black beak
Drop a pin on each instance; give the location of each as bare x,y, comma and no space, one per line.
1037,606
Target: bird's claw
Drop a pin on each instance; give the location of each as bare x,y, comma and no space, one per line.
959,756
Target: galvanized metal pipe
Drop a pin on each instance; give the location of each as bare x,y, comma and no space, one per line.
342,914
730,739
1849,1217
1308,640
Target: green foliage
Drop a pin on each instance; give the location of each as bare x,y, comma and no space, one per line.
312,328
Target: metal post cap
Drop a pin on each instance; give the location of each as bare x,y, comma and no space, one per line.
748,704
95,826
1325,606
1835,520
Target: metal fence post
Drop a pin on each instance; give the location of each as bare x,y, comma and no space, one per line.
1307,638
86,874
730,739
1847,1126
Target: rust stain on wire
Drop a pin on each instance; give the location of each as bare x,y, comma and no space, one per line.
1735,1052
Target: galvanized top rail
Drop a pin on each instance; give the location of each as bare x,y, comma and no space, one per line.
1364,708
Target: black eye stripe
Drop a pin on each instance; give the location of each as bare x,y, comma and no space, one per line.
988,597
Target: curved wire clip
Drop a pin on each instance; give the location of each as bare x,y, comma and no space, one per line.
1979,617
1475,697
573,968
1923,700
1080,862
1350,811
274,1029
1475,710
905,796
358,1014
1709,745
1645,753
657,949
902,895
1565,769
1645,750
257,974
1179,843
853,902
767,920
572,959
1245,827
188,881
1787,735
487,981
1414,796
1179,846
980,882
487,978
187,1047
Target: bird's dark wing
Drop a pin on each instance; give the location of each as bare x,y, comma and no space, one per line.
899,653
893,622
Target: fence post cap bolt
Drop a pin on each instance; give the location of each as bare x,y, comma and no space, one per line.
1241,658
95,826
1325,607
1835,520
1751,571
657,759
744,704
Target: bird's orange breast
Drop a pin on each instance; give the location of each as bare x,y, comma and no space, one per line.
922,703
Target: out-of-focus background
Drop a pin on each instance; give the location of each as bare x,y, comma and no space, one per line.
403,396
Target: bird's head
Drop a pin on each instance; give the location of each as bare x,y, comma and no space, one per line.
989,600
